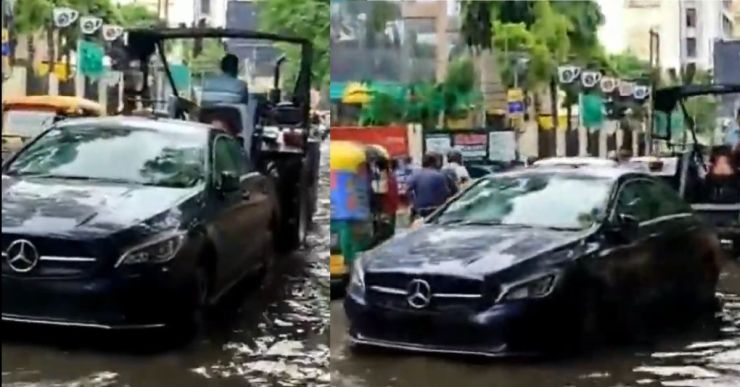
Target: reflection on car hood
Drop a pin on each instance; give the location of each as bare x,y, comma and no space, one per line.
74,208
466,251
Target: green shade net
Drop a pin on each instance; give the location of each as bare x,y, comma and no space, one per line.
592,111
90,59
181,76
660,124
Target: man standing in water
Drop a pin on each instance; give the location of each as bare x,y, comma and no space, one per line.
428,187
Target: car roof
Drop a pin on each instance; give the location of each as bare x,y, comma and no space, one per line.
159,124
576,161
610,173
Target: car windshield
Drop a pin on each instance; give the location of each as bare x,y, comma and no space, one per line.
116,154
28,123
533,200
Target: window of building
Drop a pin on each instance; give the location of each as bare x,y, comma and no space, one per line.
205,7
691,47
691,17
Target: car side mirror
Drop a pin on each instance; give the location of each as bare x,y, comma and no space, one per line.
229,182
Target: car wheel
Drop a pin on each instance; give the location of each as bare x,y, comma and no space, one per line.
192,319
588,334
268,262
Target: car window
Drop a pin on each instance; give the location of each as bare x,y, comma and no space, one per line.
532,199
229,157
637,198
668,200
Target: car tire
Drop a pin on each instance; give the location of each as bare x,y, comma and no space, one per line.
192,319
588,333
296,210
267,270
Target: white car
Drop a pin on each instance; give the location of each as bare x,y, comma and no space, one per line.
575,162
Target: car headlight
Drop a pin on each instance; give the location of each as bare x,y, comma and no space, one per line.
357,279
160,249
539,287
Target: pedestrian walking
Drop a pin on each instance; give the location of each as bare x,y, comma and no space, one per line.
455,164
428,187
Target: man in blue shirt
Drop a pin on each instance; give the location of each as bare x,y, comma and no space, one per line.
226,87
428,187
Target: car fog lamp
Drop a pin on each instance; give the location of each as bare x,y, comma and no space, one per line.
158,250
537,288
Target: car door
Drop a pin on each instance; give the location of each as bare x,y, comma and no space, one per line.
259,196
630,271
682,251
233,213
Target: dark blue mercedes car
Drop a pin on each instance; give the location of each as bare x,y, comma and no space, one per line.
530,260
126,222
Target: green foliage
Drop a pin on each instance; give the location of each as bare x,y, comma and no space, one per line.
424,102
585,18
628,66
135,15
209,59
476,24
32,15
308,18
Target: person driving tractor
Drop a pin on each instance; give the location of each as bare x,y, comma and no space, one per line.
226,87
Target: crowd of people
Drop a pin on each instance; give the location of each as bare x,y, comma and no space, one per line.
425,189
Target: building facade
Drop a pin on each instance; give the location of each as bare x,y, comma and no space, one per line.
687,29
178,12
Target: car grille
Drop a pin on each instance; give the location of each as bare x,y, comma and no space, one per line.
58,257
449,294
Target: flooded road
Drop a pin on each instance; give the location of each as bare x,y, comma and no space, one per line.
707,355
272,336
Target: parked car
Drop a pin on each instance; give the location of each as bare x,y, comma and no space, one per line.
126,222
575,162
535,259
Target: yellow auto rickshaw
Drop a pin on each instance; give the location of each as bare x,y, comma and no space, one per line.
26,117
359,186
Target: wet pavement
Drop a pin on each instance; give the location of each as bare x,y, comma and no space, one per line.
704,354
273,335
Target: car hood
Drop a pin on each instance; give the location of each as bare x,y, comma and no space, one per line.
70,208
466,251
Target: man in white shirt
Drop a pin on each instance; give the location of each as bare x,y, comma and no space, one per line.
455,164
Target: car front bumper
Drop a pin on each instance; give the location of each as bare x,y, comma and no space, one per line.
150,299
513,329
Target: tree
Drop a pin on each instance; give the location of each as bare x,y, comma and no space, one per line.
136,15
309,18
31,17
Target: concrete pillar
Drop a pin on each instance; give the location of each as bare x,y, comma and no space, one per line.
560,142
582,141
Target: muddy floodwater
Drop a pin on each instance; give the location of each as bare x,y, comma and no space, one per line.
274,335
704,354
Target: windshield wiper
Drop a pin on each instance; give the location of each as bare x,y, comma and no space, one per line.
69,177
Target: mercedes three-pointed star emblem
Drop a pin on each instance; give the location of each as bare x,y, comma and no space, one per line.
418,294
21,256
